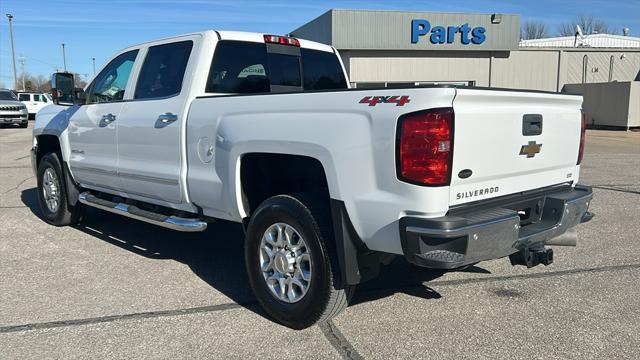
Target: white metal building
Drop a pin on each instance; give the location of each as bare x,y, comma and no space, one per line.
592,41
396,48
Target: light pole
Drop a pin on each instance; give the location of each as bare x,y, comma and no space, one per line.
64,58
94,66
13,53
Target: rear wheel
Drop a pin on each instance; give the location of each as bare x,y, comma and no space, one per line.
52,193
288,262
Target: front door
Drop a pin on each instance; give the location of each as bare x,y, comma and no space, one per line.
39,101
149,126
92,127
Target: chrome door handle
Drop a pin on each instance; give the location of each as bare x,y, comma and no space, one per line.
107,119
165,119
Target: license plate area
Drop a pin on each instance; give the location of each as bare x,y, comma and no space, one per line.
530,210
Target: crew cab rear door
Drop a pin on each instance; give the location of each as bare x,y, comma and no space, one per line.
150,123
507,142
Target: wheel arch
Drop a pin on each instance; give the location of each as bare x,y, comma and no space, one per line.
265,174
258,173
46,144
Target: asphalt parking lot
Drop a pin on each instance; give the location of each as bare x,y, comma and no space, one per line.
115,288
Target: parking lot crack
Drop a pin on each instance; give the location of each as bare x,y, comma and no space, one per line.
600,269
111,318
18,186
611,188
338,341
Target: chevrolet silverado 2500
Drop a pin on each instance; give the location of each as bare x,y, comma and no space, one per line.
328,181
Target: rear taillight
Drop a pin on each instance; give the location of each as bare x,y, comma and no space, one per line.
282,40
583,131
425,147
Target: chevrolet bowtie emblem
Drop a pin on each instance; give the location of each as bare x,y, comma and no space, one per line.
530,149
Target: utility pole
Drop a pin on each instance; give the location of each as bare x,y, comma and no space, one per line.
22,61
13,53
64,58
94,66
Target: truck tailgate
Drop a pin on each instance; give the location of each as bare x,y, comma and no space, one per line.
507,142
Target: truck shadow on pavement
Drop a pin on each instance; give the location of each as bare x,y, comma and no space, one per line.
217,256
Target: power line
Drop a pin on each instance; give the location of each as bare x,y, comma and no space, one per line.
41,61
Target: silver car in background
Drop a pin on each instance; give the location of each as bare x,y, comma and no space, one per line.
12,111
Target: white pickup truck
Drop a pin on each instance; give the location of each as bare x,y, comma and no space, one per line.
328,181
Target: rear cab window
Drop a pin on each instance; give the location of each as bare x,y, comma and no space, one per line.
163,70
240,67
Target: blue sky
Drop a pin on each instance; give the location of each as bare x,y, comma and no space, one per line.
99,28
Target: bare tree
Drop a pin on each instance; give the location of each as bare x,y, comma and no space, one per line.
588,24
35,83
533,30
78,80
41,83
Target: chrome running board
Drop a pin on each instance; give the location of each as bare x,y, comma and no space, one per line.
134,212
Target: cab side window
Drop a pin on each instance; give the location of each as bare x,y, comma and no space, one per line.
322,70
24,97
111,83
163,70
239,67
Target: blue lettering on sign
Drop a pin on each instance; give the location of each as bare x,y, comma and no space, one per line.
419,28
438,35
448,34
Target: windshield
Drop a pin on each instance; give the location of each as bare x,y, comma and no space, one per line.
7,95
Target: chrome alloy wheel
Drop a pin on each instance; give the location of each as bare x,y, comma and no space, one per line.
285,262
51,189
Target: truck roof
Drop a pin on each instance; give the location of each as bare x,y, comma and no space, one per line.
259,37
239,36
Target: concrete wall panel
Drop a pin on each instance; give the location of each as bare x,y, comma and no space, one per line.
610,104
398,66
526,70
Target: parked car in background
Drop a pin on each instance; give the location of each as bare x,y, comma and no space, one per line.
34,102
12,111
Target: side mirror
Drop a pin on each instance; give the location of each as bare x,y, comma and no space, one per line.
62,89
80,96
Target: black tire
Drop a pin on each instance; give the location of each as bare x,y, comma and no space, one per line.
64,214
311,219
24,124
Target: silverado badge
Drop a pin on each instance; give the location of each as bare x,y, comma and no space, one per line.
530,149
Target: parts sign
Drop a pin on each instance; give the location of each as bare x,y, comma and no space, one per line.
447,34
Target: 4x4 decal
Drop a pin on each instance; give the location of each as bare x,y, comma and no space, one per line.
375,100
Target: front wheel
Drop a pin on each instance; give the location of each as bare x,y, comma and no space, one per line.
52,193
288,262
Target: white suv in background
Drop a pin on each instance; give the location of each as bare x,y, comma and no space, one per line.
34,102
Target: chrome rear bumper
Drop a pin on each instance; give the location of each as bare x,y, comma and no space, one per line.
457,240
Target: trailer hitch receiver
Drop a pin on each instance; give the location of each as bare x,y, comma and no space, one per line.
532,256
